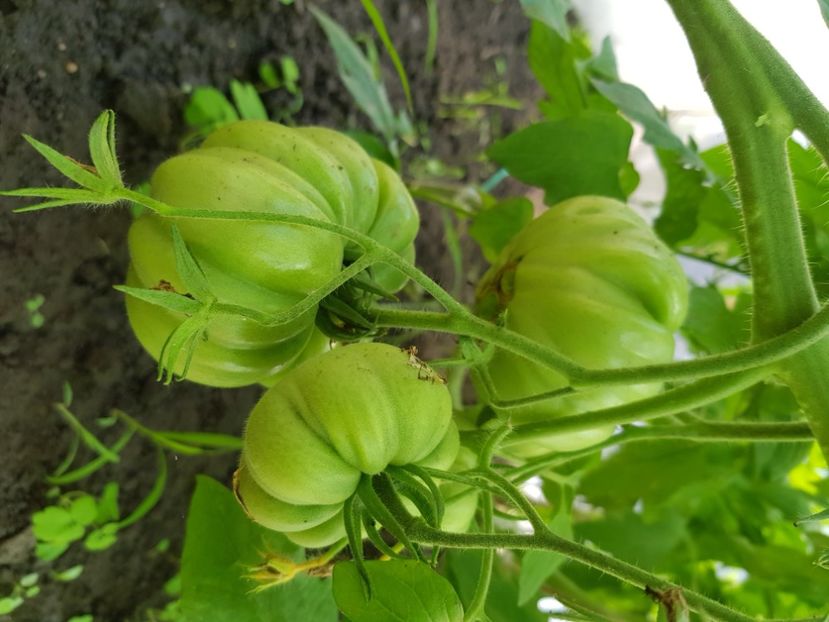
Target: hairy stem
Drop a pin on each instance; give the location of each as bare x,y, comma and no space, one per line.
757,112
702,432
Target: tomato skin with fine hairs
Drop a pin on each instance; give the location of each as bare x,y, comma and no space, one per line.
260,166
590,279
352,411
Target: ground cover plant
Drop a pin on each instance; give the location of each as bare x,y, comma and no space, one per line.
373,485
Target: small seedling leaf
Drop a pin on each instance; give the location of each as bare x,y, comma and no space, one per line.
247,101
70,574
84,510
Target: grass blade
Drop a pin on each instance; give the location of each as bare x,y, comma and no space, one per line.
383,33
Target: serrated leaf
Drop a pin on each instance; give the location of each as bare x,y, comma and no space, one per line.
493,228
569,157
213,583
401,590
102,149
247,101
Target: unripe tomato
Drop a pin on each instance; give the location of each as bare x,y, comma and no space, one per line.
590,279
354,410
263,167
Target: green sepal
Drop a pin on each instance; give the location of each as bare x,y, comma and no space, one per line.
102,149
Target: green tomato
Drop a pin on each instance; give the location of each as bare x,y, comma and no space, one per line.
352,411
264,167
590,279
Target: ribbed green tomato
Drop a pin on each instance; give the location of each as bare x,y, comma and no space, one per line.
354,410
590,279
263,167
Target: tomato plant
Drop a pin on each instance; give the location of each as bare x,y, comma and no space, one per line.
716,463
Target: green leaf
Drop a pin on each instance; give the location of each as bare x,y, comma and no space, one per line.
824,10
553,61
537,566
28,580
552,13
102,149
710,326
267,73
208,108
247,101
633,103
69,167
83,510
31,592
9,604
647,541
107,506
189,269
86,617
356,73
173,301
290,74
67,394
686,190
569,157
101,538
603,64
380,27
50,551
70,574
55,524
493,228
220,544
402,590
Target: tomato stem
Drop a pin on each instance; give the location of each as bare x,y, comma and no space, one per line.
760,101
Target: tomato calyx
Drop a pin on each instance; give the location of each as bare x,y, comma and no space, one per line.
496,289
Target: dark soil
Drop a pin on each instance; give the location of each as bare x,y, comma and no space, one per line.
61,62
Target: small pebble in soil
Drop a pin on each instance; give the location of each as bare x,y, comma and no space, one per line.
71,67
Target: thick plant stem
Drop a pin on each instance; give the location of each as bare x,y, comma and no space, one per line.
633,575
729,55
